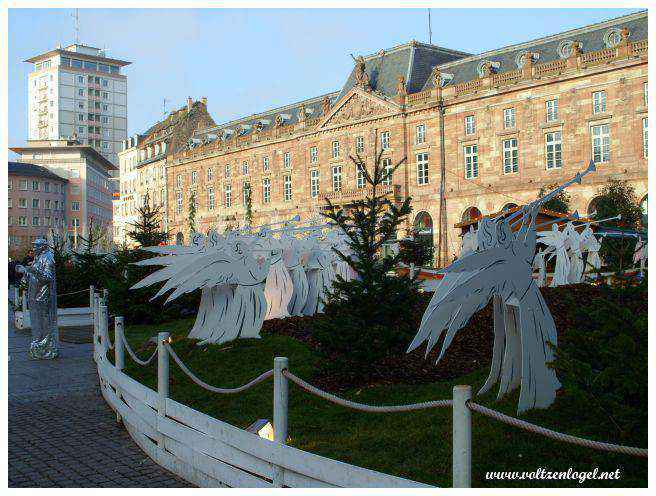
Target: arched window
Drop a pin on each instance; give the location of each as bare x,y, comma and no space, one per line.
424,224
179,238
592,207
472,213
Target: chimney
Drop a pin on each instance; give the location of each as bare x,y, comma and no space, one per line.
204,101
190,102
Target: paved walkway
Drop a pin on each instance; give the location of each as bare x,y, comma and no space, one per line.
61,431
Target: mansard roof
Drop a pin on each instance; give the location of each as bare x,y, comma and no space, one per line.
32,170
414,61
245,125
592,38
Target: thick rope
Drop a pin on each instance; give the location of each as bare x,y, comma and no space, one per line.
135,357
209,387
361,406
558,436
73,292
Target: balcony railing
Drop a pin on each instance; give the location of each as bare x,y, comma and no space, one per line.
418,98
599,57
358,193
550,68
468,87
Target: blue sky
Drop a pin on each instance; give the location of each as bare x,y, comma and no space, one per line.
249,60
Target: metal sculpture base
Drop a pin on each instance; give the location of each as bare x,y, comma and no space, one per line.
44,349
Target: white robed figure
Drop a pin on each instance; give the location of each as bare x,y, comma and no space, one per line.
320,274
232,300
502,268
539,265
557,245
575,256
294,259
279,287
640,254
591,247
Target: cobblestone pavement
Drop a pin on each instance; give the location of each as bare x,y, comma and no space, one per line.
61,431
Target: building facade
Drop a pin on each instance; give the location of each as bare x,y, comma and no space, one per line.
88,194
144,160
78,92
37,204
474,133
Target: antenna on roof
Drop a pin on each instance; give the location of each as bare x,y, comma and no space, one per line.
76,16
430,33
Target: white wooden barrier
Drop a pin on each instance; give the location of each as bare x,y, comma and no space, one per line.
210,453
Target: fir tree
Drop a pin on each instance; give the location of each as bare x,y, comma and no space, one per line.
372,316
147,230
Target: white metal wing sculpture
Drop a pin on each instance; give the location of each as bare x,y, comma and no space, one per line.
557,245
501,270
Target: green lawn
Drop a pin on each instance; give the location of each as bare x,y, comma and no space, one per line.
415,445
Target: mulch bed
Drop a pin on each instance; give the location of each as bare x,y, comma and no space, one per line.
470,349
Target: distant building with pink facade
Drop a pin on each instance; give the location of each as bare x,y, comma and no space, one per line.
37,203
88,199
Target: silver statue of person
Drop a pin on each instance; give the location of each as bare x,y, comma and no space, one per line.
42,301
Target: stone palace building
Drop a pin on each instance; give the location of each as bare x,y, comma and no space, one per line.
477,132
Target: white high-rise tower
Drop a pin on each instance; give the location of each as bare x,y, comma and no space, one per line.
78,91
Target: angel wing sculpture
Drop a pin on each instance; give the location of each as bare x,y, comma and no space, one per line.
501,270
557,244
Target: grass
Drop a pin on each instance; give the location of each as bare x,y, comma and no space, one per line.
414,445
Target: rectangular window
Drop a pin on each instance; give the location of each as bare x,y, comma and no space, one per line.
22,221
387,171
287,160
178,199
244,168
552,110
11,184
510,156
35,185
359,144
598,102
335,149
554,150
210,198
80,79
194,177
314,155
10,203
46,187
80,91
22,203
337,178
385,140
314,183
359,178
266,190
470,124
75,206
35,203
509,118
471,161
287,187
600,143
228,195
35,221
209,175
420,134
645,91
227,170
422,168
178,181
645,148
265,164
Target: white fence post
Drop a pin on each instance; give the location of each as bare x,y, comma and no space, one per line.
94,309
103,324
280,407
162,380
119,354
461,437
105,296
92,290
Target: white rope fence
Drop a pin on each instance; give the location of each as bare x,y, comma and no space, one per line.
558,436
214,389
361,406
135,357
